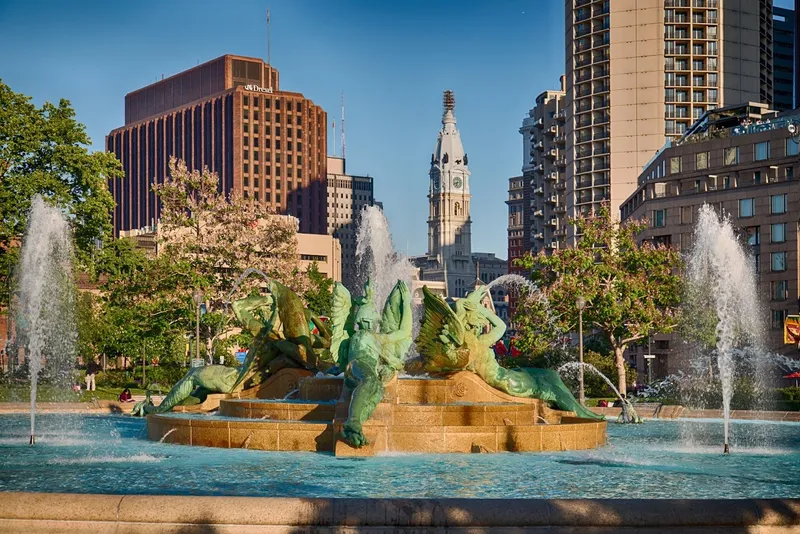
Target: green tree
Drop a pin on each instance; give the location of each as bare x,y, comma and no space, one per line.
631,289
319,296
45,151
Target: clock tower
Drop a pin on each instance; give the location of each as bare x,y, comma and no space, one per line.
449,255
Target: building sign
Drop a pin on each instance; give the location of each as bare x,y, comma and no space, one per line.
257,88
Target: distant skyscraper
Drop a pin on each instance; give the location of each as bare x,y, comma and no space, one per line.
230,115
640,72
784,43
348,196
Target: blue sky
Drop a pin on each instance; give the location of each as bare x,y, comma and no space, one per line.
391,59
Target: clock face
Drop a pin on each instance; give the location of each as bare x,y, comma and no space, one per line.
457,183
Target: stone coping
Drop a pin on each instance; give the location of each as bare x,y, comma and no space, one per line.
61,512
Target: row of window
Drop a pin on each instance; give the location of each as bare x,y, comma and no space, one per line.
747,208
268,117
267,101
777,233
268,143
267,130
267,196
290,158
290,171
730,156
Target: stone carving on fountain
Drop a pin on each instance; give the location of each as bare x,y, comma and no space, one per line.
461,399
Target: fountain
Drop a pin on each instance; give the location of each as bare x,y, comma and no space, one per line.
719,264
46,298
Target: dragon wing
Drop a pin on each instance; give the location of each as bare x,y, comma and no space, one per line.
441,335
342,323
397,320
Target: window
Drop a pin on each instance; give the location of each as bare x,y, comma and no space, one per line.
753,234
686,215
246,169
245,114
778,232
255,196
757,177
778,261
675,165
255,168
726,182
255,115
277,131
778,317
762,151
777,203
659,218
789,173
299,120
255,182
246,181
731,155
246,154
246,100
255,101
780,290
278,185
701,160
792,146
747,207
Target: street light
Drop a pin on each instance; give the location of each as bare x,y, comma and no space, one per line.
580,303
197,297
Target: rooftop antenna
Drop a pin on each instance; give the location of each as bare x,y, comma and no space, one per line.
343,145
269,58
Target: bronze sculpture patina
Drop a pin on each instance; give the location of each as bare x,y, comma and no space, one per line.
370,348
461,338
283,338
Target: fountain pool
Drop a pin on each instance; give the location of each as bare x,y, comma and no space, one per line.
104,454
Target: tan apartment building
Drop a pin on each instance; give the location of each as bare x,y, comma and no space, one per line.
640,71
543,172
744,161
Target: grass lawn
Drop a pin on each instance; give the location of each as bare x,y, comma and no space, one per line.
46,393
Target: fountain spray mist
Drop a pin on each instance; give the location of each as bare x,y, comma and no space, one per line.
719,263
377,258
46,298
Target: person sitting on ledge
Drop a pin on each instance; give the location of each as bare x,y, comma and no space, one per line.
126,396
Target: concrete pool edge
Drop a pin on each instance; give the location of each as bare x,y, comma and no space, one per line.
65,512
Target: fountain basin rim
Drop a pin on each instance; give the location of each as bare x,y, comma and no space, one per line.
27,511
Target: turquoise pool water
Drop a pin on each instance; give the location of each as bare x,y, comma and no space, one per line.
660,459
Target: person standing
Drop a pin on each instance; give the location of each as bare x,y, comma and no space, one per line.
91,370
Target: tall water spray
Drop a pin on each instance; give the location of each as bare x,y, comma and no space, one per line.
377,258
46,298
721,269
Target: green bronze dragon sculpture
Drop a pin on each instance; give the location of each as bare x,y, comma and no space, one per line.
461,337
282,328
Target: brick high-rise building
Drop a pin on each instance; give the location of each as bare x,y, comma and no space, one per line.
641,71
231,116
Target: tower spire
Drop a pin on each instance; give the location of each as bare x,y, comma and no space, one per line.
343,145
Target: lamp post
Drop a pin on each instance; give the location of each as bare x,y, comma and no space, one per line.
197,297
580,303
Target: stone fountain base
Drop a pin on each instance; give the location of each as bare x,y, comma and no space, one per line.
457,413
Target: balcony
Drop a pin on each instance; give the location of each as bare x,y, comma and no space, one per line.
560,186
538,123
552,175
552,245
553,221
539,168
561,139
538,213
539,190
552,199
559,209
553,129
552,153
539,236
561,116
561,162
